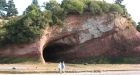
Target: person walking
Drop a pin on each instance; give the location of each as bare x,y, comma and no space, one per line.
63,67
60,67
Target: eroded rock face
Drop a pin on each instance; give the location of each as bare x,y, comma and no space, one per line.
92,27
83,36
108,35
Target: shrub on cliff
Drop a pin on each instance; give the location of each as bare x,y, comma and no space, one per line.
100,7
71,6
95,8
57,12
116,8
104,6
55,8
25,29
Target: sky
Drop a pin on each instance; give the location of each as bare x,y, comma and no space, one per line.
131,5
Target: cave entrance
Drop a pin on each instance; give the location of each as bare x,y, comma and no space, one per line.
51,52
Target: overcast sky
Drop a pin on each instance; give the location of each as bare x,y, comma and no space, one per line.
131,5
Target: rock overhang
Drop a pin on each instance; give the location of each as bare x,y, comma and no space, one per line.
86,36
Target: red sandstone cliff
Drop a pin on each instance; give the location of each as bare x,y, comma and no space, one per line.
83,36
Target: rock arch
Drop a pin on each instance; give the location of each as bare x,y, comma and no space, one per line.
82,36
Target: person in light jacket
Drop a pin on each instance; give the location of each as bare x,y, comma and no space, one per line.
60,67
63,67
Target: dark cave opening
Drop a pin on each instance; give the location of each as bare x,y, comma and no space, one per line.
50,52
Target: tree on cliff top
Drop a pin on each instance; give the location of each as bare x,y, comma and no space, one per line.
35,2
34,7
2,4
57,12
54,7
11,9
2,7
